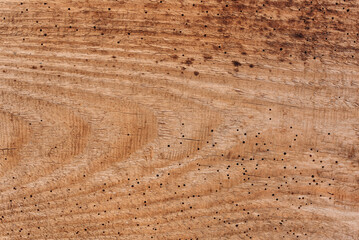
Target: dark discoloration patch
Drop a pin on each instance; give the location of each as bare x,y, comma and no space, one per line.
196,73
236,63
189,61
174,56
298,35
207,57
351,153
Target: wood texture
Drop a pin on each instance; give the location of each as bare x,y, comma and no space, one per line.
150,119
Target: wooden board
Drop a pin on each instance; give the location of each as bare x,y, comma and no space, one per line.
150,119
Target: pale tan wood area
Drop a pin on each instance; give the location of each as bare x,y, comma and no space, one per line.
150,119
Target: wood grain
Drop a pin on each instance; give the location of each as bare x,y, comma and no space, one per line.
150,119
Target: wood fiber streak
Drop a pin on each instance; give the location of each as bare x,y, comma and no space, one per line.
187,119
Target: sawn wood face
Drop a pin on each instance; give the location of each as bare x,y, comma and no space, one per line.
150,119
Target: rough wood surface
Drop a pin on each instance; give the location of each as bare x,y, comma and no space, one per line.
150,119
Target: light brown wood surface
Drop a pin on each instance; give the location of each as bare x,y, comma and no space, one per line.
150,119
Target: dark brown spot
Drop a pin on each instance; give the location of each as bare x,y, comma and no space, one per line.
298,35
236,63
207,57
189,61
